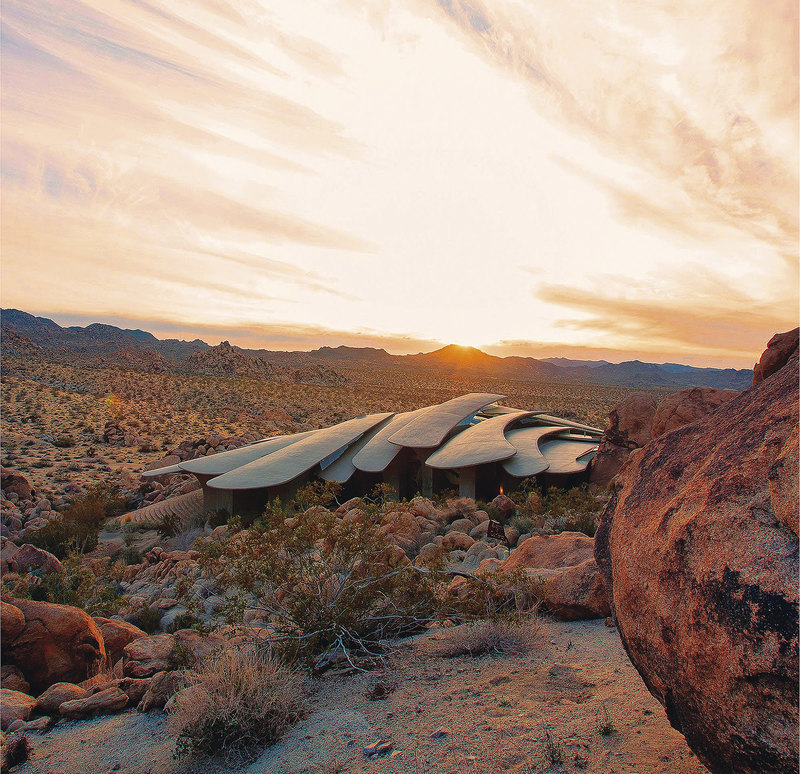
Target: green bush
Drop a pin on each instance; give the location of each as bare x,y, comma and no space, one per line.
332,588
76,529
575,509
148,619
76,585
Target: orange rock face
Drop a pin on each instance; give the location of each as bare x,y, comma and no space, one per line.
57,644
687,406
780,349
700,545
116,635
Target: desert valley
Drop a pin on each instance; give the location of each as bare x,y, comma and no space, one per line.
124,602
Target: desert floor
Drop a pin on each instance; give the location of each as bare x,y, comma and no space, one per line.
496,711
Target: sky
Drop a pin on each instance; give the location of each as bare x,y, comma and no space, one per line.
596,179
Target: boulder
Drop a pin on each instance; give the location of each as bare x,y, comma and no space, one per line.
116,635
162,686
39,724
461,525
100,703
147,655
630,426
11,677
551,552
58,643
14,705
630,423
49,702
457,541
135,688
16,483
686,406
701,550
29,558
577,593
780,349
505,505
12,622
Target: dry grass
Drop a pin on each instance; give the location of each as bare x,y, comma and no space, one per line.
235,704
494,636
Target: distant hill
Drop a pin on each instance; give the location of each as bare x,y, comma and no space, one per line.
95,339
28,336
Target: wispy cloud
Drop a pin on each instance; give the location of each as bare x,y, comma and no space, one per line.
701,95
719,319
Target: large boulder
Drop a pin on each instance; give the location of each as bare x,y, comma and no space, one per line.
551,552
147,655
116,635
630,426
687,406
58,643
780,349
699,542
103,702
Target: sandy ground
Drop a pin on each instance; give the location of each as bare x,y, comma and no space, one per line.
496,713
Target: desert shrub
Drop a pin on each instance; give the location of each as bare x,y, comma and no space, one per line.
331,588
148,619
463,507
64,442
582,521
513,636
322,493
77,527
237,702
185,620
169,525
131,556
575,509
76,585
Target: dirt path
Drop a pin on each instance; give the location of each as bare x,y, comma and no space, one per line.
496,714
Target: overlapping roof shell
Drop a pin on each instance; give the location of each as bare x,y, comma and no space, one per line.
465,432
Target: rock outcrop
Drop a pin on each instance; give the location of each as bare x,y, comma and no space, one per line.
686,406
639,419
630,426
780,349
700,544
57,644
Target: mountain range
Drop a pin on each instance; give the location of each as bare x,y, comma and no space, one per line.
25,335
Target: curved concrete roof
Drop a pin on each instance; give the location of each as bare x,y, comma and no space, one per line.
493,411
562,454
217,464
378,452
294,460
529,460
569,423
162,471
430,428
343,468
478,444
